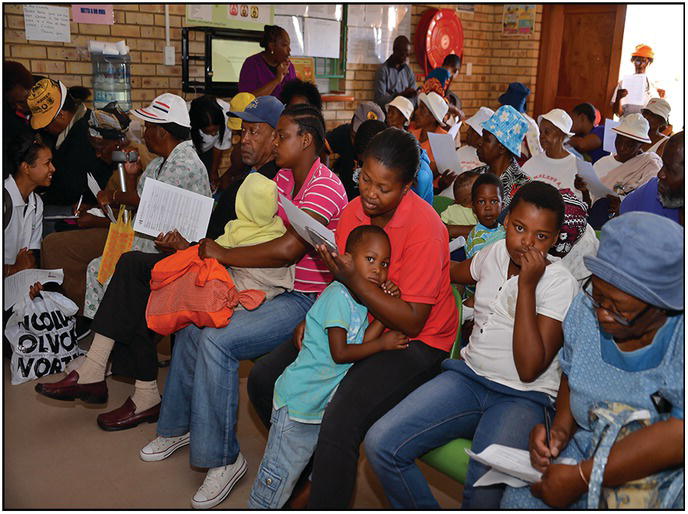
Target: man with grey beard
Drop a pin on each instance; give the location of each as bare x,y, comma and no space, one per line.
664,194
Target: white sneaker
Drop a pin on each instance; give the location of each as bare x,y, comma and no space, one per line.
218,483
162,447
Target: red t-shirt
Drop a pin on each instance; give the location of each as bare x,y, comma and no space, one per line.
419,264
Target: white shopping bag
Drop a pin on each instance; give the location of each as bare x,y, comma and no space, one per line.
42,333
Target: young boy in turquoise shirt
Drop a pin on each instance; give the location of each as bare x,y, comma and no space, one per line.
337,334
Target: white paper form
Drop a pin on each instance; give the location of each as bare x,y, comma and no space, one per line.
635,85
17,286
509,461
305,225
164,208
444,151
321,37
609,136
457,243
595,186
454,129
95,189
47,23
201,12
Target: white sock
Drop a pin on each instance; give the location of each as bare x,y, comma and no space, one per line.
93,368
146,395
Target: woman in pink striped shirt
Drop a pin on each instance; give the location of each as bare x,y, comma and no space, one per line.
202,389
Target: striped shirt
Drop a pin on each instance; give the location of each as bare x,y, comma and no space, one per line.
323,194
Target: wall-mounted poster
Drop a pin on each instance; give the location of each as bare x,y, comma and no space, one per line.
47,23
518,19
93,13
304,67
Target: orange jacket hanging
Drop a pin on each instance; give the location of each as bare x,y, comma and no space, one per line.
186,289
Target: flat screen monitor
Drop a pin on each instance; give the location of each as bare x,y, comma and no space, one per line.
228,55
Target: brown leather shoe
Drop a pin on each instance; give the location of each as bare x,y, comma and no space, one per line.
68,389
125,417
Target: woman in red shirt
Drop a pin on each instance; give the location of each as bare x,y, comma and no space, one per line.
425,312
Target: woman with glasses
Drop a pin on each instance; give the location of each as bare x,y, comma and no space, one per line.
623,344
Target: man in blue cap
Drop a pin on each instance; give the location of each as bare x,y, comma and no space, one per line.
259,120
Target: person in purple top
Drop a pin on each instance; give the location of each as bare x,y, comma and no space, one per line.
588,139
267,72
665,193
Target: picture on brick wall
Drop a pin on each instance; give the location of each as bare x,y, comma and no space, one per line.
100,14
47,23
518,19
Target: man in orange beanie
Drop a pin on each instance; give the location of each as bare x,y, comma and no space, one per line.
641,58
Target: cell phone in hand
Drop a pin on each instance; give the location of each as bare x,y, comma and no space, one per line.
317,239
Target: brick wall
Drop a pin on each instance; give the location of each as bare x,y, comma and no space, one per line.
497,60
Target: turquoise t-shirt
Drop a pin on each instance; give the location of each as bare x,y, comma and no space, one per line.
309,382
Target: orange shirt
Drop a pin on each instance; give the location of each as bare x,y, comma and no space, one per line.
419,264
425,145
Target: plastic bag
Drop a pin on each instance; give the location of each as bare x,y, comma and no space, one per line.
42,333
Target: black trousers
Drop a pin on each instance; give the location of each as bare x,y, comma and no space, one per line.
370,389
122,316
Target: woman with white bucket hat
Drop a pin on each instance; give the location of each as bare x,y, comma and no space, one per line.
555,165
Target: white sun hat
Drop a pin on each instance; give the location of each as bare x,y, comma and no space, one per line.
634,126
560,119
435,104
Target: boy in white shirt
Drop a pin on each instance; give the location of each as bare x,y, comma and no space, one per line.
555,166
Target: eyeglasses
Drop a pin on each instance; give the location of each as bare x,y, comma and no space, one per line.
617,317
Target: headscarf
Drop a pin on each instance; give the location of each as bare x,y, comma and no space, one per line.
575,223
110,122
256,208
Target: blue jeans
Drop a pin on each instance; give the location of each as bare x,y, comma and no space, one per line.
290,446
452,405
201,394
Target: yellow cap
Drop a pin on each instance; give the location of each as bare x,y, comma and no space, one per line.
45,101
238,104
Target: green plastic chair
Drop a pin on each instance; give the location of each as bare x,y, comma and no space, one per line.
451,458
440,203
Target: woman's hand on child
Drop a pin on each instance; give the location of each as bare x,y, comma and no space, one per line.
394,340
560,486
298,335
533,265
209,249
35,289
446,179
391,289
541,454
171,242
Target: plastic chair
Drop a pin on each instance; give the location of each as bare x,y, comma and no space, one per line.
440,203
451,458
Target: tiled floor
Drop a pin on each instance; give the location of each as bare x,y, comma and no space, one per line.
56,457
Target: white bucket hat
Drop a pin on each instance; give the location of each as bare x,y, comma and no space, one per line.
436,104
560,119
476,121
404,105
660,107
634,126
166,108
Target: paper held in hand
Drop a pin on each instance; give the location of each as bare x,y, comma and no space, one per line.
457,243
589,175
164,208
16,286
444,151
95,189
306,226
509,466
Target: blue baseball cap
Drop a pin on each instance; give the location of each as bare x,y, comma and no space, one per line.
264,109
641,254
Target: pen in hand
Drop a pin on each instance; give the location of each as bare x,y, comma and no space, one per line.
548,429
78,205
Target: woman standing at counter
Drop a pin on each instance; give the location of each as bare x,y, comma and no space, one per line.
265,73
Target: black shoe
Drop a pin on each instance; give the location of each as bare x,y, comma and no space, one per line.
83,327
